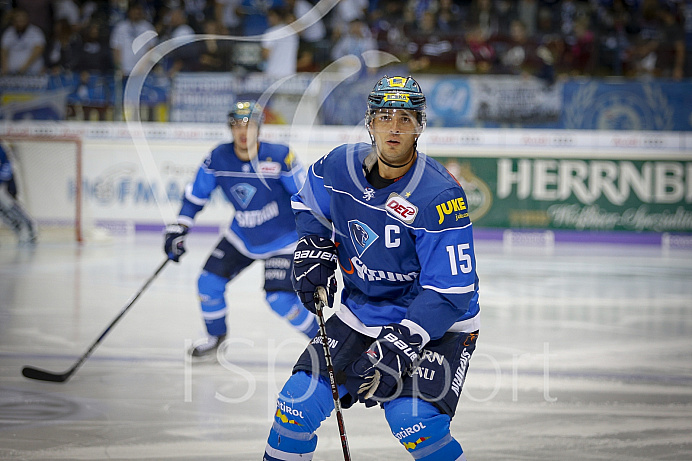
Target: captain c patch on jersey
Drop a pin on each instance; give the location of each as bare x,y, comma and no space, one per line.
361,235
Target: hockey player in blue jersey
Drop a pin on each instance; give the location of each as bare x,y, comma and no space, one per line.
258,179
11,211
397,224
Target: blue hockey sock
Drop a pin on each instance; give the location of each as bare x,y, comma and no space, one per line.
302,405
422,429
211,288
288,305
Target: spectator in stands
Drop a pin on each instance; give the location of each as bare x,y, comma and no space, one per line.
124,35
527,13
430,50
548,34
69,11
388,27
356,40
449,17
345,12
483,16
523,56
671,51
254,15
226,13
279,47
63,49
686,13
22,46
613,25
313,49
478,55
197,11
94,57
659,46
579,50
215,55
180,59
40,13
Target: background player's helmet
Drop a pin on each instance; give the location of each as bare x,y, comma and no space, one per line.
244,112
397,93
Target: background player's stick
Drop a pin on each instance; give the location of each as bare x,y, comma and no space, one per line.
44,375
320,302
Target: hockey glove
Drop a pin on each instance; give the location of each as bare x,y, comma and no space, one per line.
377,372
174,245
314,263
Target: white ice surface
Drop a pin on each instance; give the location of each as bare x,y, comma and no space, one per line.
585,353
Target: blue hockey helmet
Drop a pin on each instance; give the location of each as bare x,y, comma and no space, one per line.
243,112
397,93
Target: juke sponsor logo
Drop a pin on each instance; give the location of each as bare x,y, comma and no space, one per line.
371,275
451,206
401,208
254,218
460,374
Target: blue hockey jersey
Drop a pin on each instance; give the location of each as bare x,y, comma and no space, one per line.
5,166
260,191
406,251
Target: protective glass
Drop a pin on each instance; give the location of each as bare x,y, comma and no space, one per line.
395,120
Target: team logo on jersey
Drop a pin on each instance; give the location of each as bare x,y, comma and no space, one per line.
369,193
243,193
361,236
401,208
269,168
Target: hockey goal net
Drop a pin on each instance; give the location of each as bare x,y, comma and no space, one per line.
48,174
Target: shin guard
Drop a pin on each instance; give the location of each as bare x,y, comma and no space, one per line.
211,288
301,407
422,429
288,306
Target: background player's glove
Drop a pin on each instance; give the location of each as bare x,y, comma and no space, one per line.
314,263
378,370
174,245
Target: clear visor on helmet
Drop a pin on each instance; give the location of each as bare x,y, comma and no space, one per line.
395,120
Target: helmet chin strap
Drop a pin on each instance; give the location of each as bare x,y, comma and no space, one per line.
391,165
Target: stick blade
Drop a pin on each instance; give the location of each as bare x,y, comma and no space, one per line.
44,375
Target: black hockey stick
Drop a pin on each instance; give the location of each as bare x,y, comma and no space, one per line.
320,302
44,375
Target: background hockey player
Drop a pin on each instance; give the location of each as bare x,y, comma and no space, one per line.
11,211
258,179
398,225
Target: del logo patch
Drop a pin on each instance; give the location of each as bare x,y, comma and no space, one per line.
269,168
361,235
243,193
401,208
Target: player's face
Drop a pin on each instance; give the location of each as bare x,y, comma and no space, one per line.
395,132
244,136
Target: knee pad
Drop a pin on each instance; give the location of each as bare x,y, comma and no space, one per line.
211,288
422,429
302,405
288,306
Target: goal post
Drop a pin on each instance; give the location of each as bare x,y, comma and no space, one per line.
48,172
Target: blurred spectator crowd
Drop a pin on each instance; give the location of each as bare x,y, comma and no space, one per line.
544,38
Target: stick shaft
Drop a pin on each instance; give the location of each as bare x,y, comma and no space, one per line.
44,375
320,302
